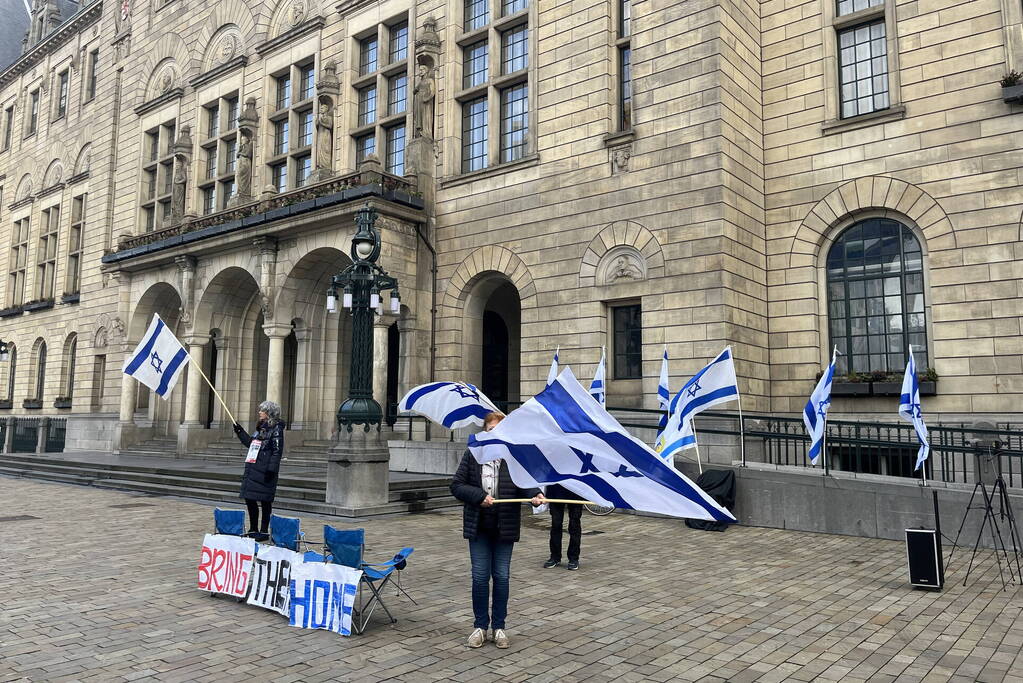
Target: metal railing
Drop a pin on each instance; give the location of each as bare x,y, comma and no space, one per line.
26,435
884,448
55,435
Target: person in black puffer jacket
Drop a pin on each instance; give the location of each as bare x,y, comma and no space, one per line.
492,531
262,464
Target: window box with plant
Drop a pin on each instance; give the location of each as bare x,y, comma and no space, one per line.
881,383
1012,89
38,304
71,298
853,384
32,403
62,402
6,403
11,310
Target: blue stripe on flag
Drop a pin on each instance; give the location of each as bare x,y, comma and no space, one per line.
710,397
464,412
423,391
555,398
168,374
143,356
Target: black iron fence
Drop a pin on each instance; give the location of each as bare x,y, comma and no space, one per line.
55,435
26,433
884,448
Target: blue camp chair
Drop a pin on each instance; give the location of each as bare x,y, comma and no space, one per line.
286,532
230,522
345,547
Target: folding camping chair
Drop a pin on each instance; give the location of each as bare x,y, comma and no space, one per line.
230,522
286,532
346,546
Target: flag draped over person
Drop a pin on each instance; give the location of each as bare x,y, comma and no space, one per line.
553,373
560,436
909,409
815,414
597,385
449,404
713,385
663,396
158,360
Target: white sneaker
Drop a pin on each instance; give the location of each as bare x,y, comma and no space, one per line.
500,638
476,638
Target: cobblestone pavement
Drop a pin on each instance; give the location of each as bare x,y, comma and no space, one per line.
93,591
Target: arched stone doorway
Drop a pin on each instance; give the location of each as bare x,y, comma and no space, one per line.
492,338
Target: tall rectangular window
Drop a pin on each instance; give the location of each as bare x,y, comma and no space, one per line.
307,76
46,254
303,167
281,136
8,126
72,282
367,105
232,112
293,124
477,14
283,91
158,174
514,122
280,177
625,88
513,6
62,90
474,68
213,120
18,263
515,49
230,155
305,128
33,113
99,375
399,42
364,146
368,55
209,199
396,150
624,18
397,89
92,76
474,135
627,341
211,163
863,69
221,150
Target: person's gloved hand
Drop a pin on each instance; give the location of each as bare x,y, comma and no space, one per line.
239,430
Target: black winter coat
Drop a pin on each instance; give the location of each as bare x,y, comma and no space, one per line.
259,482
559,491
467,486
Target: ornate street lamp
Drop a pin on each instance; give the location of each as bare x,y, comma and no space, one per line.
360,285
5,354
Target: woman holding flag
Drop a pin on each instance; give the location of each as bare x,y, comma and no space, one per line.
262,464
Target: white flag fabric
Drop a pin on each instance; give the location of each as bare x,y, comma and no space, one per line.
597,386
561,436
449,404
663,395
158,360
909,409
552,374
815,413
713,385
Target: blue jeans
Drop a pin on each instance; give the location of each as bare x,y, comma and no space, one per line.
491,558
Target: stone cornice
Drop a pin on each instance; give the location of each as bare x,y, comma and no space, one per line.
14,206
60,35
45,192
226,67
316,23
350,6
157,102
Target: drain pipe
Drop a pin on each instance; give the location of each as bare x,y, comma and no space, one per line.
433,310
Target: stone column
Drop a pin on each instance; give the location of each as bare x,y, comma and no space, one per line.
41,432
303,377
9,435
218,416
380,325
275,362
191,435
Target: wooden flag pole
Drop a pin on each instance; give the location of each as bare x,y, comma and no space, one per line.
696,444
213,389
546,500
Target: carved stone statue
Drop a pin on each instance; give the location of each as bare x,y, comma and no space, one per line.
325,134
423,100
243,164
182,156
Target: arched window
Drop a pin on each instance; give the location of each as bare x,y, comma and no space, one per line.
876,297
68,378
41,371
12,366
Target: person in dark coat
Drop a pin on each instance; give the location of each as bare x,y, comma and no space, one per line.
575,526
262,464
492,531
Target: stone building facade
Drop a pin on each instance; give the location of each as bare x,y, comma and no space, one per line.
780,177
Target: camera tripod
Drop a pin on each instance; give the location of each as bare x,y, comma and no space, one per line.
999,492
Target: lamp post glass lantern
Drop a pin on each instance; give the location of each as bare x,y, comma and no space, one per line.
360,285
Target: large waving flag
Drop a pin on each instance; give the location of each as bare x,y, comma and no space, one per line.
663,395
561,436
909,409
815,414
552,374
597,386
158,360
449,404
711,386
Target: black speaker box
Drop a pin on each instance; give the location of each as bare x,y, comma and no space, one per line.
926,569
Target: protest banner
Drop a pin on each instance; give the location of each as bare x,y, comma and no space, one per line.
225,564
322,596
271,578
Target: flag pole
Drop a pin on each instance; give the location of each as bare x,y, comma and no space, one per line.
742,432
696,444
824,446
546,500
213,389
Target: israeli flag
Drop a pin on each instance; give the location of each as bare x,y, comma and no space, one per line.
713,385
663,395
909,409
560,436
553,373
158,360
815,414
449,404
597,385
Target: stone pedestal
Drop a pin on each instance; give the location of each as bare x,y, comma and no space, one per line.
357,470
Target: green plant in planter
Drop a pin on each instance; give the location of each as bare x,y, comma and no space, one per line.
856,377
1012,78
929,375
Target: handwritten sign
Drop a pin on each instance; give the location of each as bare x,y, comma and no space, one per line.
271,578
322,596
225,564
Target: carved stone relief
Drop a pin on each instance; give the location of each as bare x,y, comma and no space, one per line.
620,158
622,263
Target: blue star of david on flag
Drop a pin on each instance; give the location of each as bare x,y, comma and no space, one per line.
815,413
449,404
822,407
156,362
911,411
159,359
694,389
466,391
